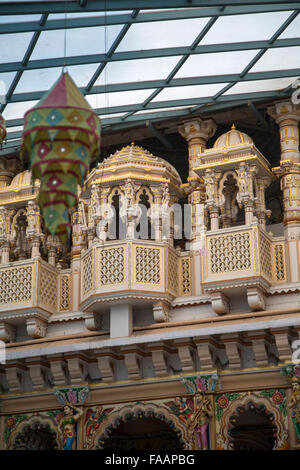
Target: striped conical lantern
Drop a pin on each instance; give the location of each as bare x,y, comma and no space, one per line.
2,129
61,134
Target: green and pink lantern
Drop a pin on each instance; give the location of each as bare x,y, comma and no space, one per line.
2,129
61,134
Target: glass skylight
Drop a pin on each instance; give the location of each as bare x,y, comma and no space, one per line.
79,41
160,34
241,28
123,60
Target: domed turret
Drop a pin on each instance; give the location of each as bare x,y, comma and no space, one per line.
232,138
134,161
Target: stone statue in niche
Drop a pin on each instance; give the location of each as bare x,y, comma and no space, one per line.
67,426
129,193
294,404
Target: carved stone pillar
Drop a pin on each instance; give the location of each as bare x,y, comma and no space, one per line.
34,230
287,116
155,212
5,233
78,226
196,132
260,202
54,247
5,253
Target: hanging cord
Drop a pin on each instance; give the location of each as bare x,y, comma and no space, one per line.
65,39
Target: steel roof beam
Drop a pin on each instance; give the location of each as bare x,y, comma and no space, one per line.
111,51
147,54
116,124
25,60
30,8
244,73
258,115
176,82
145,17
180,102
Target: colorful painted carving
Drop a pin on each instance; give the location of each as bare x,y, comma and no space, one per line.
94,418
202,409
67,426
294,404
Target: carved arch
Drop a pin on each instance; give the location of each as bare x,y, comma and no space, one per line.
223,438
114,191
23,438
129,411
147,190
222,183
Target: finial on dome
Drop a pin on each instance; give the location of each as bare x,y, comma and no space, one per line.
233,127
132,143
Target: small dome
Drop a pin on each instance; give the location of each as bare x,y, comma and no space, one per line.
232,138
22,179
135,157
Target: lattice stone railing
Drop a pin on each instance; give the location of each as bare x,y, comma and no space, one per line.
138,267
64,292
33,283
279,263
185,276
237,253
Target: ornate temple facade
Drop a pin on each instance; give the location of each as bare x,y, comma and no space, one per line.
170,320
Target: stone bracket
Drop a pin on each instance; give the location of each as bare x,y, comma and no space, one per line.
205,351
161,312
7,332
186,352
36,327
106,364
220,303
93,321
256,299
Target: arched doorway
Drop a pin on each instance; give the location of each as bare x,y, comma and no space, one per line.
252,427
145,433
35,436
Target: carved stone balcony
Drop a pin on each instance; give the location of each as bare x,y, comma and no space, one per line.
241,257
244,256
135,271
31,290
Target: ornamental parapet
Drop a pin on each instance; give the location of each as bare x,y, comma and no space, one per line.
32,290
135,269
242,256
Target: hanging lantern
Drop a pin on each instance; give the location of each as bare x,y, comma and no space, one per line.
2,129
61,134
